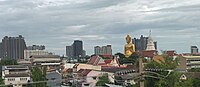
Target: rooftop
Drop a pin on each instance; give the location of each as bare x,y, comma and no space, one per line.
191,57
17,75
14,67
45,56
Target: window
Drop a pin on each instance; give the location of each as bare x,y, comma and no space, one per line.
11,79
23,79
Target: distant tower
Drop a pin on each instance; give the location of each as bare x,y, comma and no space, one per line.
150,43
78,48
194,50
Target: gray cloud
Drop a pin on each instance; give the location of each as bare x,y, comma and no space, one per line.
56,23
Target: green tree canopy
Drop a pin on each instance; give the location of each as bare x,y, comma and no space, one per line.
102,80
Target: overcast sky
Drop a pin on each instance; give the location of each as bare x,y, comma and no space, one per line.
175,24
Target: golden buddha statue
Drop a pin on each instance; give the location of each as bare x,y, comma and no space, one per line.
129,47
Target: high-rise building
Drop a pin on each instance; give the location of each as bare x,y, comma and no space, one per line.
13,47
75,50
1,50
141,43
69,51
109,50
97,50
78,48
194,50
83,53
36,47
104,50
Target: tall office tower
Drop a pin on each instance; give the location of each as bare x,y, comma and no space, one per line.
78,48
36,47
109,50
97,50
1,50
104,50
69,51
194,50
13,47
140,44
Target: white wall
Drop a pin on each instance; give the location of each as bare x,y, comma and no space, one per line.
16,80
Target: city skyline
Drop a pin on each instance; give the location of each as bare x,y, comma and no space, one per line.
57,23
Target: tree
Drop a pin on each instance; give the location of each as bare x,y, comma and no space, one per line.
169,81
38,75
196,82
130,60
102,80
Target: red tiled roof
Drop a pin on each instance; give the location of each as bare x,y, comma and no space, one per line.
81,70
114,69
94,60
102,64
170,53
84,72
107,55
149,53
108,61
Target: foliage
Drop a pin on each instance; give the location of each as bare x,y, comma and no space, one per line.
130,60
38,75
1,81
169,81
168,64
195,70
102,80
196,82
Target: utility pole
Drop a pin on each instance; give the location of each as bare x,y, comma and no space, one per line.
141,72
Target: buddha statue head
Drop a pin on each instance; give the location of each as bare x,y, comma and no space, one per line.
128,39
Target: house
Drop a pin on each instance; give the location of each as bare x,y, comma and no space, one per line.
77,67
148,53
187,75
16,75
87,77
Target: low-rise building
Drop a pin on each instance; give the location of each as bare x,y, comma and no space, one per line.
28,53
16,75
189,62
52,62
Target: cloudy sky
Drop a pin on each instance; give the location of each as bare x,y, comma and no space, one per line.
175,24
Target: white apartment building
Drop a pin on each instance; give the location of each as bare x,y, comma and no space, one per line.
16,75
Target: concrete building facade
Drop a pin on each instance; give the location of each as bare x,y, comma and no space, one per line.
29,53
13,47
104,50
36,47
69,51
16,75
